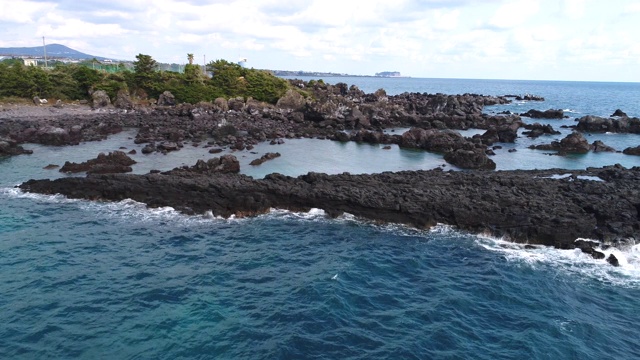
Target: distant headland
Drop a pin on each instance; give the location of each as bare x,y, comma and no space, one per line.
330,74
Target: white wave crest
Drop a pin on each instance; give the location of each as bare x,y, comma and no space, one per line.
573,262
17,193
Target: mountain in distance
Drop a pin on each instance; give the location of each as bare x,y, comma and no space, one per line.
53,51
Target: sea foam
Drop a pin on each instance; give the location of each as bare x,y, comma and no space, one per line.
572,262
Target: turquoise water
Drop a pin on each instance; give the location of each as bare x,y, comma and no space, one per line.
94,280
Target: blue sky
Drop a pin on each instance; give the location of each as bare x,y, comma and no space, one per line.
590,40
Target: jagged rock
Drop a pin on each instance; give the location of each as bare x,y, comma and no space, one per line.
573,143
613,260
100,99
591,123
58,104
9,147
168,146
470,159
148,149
506,133
166,99
50,135
51,167
537,129
114,162
547,114
632,150
619,113
265,157
123,100
291,100
529,97
525,206
226,164
599,146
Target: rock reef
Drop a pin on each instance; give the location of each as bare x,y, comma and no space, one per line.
538,206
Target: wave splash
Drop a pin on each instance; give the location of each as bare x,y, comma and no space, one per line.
573,262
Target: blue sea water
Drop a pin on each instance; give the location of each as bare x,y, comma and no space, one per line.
93,280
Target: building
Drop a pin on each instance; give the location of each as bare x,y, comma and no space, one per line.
30,62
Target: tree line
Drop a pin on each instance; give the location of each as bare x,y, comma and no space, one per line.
77,81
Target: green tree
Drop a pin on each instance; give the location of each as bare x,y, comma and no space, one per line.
144,69
190,58
228,77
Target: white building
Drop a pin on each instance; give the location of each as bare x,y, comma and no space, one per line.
30,62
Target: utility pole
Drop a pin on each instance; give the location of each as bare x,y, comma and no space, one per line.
44,46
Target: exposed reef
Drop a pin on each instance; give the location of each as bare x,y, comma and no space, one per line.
550,207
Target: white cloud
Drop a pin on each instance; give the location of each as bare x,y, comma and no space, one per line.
22,12
514,13
450,37
575,9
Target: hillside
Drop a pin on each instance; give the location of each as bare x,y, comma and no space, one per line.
53,51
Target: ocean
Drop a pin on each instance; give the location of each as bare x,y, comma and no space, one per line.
95,280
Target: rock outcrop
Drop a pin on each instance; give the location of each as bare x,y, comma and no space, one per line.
573,143
598,124
632,151
264,158
226,164
114,162
547,114
525,206
10,147
599,146
100,99
166,99
536,130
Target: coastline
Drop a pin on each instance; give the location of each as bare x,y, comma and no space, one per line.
536,207
524,206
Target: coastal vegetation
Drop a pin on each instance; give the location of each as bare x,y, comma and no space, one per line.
220,78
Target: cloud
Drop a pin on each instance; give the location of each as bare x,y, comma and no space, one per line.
514,13
21,12
451,37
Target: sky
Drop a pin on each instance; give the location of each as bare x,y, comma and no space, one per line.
579,40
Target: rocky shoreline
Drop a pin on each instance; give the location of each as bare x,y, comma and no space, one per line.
525,206
548,207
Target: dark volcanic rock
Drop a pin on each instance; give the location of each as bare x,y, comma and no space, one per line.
619,113
9,147
535,130
632,150
292,100
573,143
591,123
226,164
114,162
547,114
613,260
528,97
526,206
475,158
599,146
265,157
